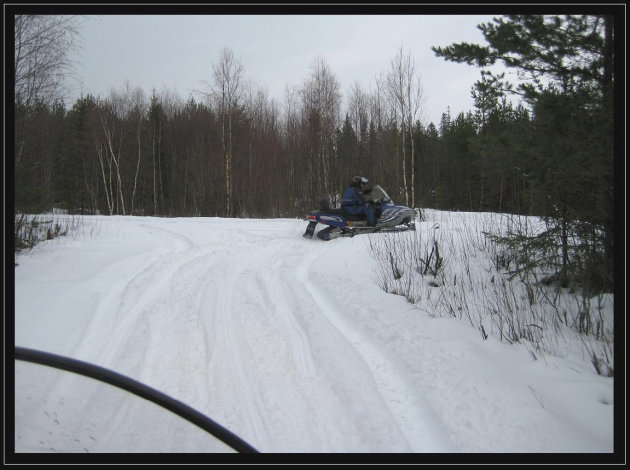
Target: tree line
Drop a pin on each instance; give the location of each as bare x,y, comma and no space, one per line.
230,151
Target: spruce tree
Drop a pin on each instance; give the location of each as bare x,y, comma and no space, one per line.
566,67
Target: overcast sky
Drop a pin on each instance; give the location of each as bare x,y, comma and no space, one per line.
176,52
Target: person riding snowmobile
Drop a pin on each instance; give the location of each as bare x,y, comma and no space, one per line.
354,202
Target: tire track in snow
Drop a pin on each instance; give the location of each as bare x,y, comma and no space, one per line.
259,329
277,290
291,379
168,295
118,315
185,278
340,382
172,354
400,396
113,337
268,344
228,349
161,298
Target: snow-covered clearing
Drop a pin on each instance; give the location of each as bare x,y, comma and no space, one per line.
287,342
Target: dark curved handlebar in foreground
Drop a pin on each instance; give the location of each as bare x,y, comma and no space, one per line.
137,388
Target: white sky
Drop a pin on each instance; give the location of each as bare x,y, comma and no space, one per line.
176,52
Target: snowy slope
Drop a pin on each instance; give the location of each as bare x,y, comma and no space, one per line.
287,342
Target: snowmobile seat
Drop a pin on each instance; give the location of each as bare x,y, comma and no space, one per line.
347,216
324,206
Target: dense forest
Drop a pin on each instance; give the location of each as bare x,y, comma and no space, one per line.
230,151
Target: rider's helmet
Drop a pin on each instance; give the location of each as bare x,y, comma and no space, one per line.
360,181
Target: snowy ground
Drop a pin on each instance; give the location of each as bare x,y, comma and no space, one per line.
287,342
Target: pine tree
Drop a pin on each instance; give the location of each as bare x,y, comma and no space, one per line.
567,67
72,187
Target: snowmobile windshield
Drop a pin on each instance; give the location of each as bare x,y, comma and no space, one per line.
379,194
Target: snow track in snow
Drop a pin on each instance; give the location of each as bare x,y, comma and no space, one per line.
250,329
413,415
248,338
287,342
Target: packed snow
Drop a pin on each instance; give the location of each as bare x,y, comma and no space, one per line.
288,342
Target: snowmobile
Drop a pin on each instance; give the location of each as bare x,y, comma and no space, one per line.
389,218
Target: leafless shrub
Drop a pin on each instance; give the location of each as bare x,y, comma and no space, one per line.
33,229
483,284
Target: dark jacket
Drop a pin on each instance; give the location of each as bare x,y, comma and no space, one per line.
354,203
353,197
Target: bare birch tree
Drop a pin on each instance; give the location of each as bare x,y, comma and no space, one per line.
42,47
104,159
288,131
358,108
405,91
321,105
113,156
138,110
155,123
226,92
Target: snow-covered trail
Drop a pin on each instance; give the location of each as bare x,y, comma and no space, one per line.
235,321
287,342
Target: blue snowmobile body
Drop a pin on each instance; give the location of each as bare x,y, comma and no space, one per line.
390,218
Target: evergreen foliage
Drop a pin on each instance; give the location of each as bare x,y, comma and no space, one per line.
567,67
